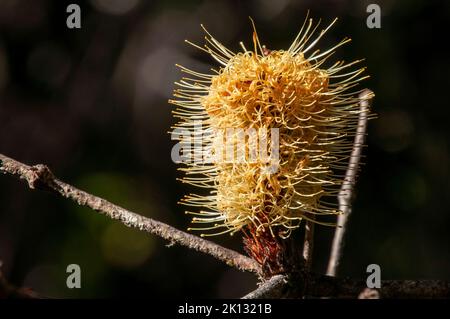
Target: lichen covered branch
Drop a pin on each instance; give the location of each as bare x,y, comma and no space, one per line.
293,286
271,288
40,177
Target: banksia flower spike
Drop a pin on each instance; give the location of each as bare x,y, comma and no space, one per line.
268,135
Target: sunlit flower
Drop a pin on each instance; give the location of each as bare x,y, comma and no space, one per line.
314,109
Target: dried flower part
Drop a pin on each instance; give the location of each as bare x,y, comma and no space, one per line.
289,121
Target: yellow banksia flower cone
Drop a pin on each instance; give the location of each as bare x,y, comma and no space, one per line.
285,97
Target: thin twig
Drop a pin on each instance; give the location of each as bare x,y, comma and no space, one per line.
39,176
308,245
292,286
345,193
308,248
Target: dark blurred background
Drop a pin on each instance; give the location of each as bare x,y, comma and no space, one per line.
92,104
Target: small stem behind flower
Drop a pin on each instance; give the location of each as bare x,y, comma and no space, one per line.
308,245
345,193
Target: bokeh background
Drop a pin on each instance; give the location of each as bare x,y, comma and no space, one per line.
92,104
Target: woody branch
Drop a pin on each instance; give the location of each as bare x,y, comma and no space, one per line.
315,285
40,177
